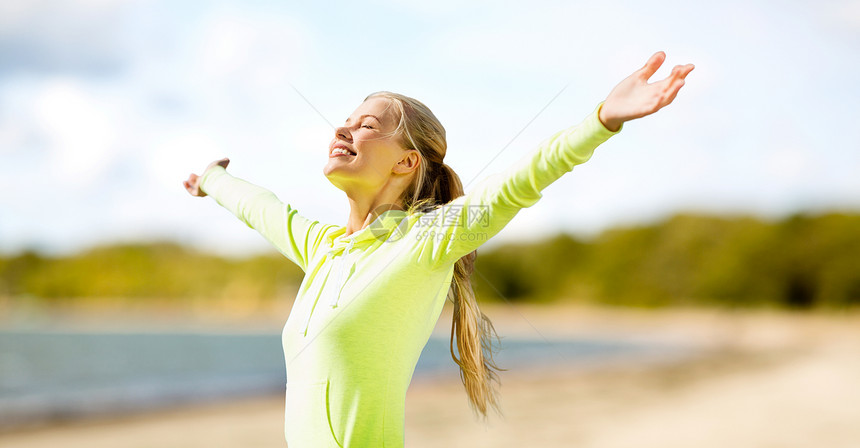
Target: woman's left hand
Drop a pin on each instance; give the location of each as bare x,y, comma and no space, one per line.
193,182
635,98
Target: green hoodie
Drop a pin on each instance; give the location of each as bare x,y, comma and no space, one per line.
369,301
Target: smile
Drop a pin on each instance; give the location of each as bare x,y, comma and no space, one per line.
341,151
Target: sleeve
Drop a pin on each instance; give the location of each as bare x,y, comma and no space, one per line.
462,225
291,233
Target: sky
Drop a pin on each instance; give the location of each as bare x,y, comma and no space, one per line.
106,106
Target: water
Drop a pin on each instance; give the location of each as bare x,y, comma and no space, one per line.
55,376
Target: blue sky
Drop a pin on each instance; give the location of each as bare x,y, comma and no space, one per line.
107,105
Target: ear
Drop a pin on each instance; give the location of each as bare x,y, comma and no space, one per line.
408,163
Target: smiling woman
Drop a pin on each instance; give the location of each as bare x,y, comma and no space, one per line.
374,288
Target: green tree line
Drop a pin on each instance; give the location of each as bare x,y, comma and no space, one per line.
156,270
801,261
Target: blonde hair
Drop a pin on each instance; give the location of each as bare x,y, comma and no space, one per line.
434,185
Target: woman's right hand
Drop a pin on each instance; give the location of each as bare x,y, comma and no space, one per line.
193,182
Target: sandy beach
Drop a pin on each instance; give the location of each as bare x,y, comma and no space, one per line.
759,379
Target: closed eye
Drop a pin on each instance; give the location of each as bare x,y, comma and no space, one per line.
368,126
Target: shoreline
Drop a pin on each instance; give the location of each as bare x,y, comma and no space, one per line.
762,378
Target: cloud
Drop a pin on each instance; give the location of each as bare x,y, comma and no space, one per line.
844,14
44,36
248,51
91,148
80,131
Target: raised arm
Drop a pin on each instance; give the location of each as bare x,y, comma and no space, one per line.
467,222
291,233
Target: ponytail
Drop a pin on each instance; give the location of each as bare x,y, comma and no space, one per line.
471,328
437,184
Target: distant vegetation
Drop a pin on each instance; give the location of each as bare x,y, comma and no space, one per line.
164,271
692,260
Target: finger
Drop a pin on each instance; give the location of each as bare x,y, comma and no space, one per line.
681,71
678,81
687,69
669,100
665,84
652,65
678,73
672,93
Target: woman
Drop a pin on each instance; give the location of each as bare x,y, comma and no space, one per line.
374,288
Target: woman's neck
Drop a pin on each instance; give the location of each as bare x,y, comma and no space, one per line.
363,212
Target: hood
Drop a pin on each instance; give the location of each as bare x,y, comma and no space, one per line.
388,226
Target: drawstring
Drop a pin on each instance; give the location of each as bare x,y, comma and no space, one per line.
334,299
365,236
336,296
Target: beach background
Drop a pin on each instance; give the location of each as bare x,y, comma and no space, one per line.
696,283
747,378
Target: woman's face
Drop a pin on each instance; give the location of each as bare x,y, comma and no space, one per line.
374,153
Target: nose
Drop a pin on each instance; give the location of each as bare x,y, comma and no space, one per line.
342,133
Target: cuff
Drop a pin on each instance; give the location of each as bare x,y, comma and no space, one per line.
209,176
596,116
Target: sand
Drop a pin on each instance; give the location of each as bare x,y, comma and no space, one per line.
760,379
